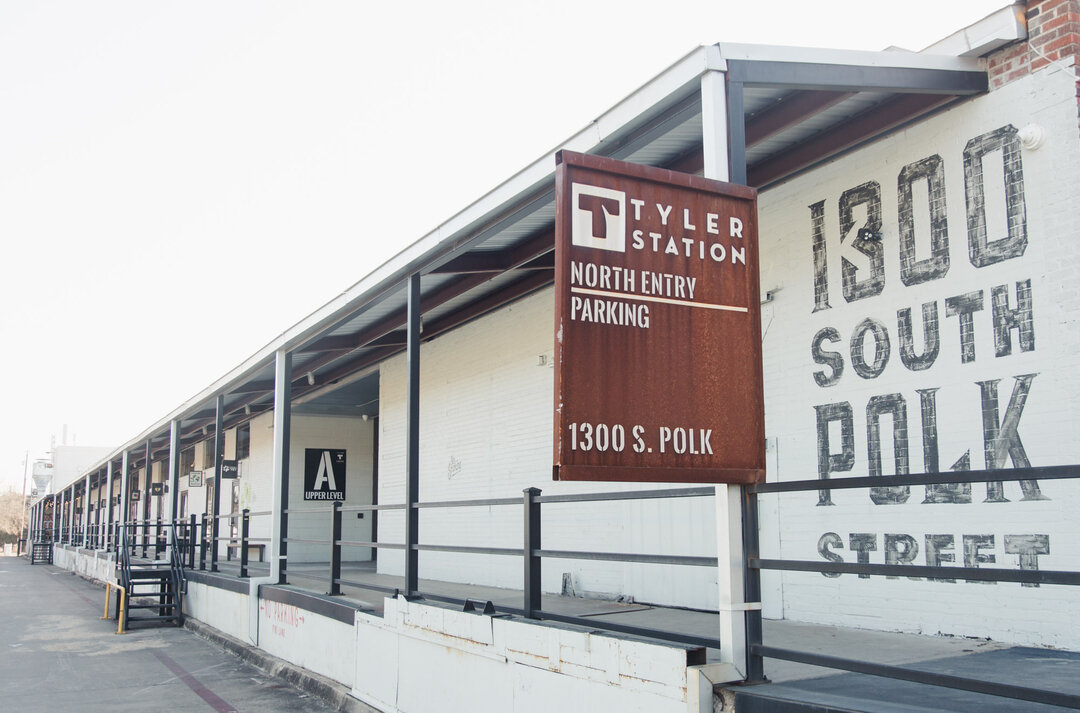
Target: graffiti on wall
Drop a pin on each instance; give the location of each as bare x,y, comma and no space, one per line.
912,337
282,618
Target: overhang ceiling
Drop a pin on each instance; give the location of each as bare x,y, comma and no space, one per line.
794,109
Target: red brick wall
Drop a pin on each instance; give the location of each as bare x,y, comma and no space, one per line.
1053,35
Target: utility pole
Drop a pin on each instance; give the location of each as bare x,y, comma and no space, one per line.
22,505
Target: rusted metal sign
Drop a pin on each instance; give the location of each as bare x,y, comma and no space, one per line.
657,326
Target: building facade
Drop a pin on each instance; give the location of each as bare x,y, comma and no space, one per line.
918,244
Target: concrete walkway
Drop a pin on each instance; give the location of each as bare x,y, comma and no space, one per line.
881,647
56,654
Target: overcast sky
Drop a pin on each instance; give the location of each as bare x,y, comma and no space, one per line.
180,182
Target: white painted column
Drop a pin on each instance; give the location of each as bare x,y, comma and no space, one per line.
172,483
282,423
125,488
714,135
729,544
173,480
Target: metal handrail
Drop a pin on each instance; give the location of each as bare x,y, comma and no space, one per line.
1052,472
757,650
532,554
993,688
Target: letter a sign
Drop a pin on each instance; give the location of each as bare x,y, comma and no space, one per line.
324,474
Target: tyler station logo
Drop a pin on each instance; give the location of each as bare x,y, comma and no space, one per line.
674,237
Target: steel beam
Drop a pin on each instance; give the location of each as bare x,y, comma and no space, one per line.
873,122
736,130
219,455
789,111
857,78
412,439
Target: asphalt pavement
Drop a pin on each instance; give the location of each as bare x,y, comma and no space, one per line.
57,654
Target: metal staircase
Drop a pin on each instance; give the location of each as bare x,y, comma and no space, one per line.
41,552
154,588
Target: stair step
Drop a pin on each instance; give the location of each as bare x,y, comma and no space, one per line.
151,617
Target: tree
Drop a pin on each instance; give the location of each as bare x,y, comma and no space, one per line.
11,512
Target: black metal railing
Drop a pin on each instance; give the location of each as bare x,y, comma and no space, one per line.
202,546
196,540
758,650
532,554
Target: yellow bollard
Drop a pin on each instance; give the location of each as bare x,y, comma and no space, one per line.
108,588
121,616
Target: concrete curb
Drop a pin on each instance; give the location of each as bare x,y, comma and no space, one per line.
328,691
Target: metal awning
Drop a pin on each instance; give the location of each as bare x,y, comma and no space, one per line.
792,108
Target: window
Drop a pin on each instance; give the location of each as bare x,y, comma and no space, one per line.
183,504
208,454
187,461
209,483
243,441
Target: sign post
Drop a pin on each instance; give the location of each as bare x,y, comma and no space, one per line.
658,374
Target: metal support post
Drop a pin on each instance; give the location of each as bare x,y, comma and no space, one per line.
730,568
174,475
148,473
282,426
125,502
755,664
60,517
202,544
736,133
714,124
532,546
86,512
219,455
193,530
412,438
108,505
71,515
97,512
245,522
335,548
724,146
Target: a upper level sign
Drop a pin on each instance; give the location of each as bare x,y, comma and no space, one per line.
657,326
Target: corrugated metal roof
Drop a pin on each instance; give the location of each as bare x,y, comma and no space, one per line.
660,123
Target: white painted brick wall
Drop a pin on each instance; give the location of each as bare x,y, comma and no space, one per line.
486,409
486,432
521,666
355,436
1049,421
